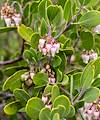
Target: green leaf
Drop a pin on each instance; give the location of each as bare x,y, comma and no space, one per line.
11,70
59,75
48,89
55,92
40,79
68,51
67,10
61,2
25,32
7,29
96,82
90,19
33,107
76,80
91,94
35,40
87,76
87,40
28,55
56,61
62,100
97,66
45,114
54,13
59,109
42,8
84,2
12,108
71,112
34,7
56,116
14,81
44,28
22,96
65,80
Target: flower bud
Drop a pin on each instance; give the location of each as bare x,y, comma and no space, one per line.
44,99
52,80
28,82
47,66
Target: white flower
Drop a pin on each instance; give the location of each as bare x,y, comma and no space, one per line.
52,80
97,29
85,58
42,42
87,105
90,112
8,21
93,56
57,45
44,99
24,77
32,75
96,114
48,46
17,20
44,50
53,51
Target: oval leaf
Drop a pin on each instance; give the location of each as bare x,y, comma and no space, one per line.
33,107
12,108
91,94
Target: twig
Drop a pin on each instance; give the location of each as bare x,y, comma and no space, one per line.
19,58
69,23
78,98
65,91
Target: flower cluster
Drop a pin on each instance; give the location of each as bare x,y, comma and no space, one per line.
48,46
88,56
46,101
51,74
91,110
10,16
27,77
97,29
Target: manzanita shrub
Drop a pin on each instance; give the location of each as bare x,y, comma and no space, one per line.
57,74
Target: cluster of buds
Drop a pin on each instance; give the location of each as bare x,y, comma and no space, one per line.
91,111
48,46
51,74
27,77
10,16
47,102
88,56
97,29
